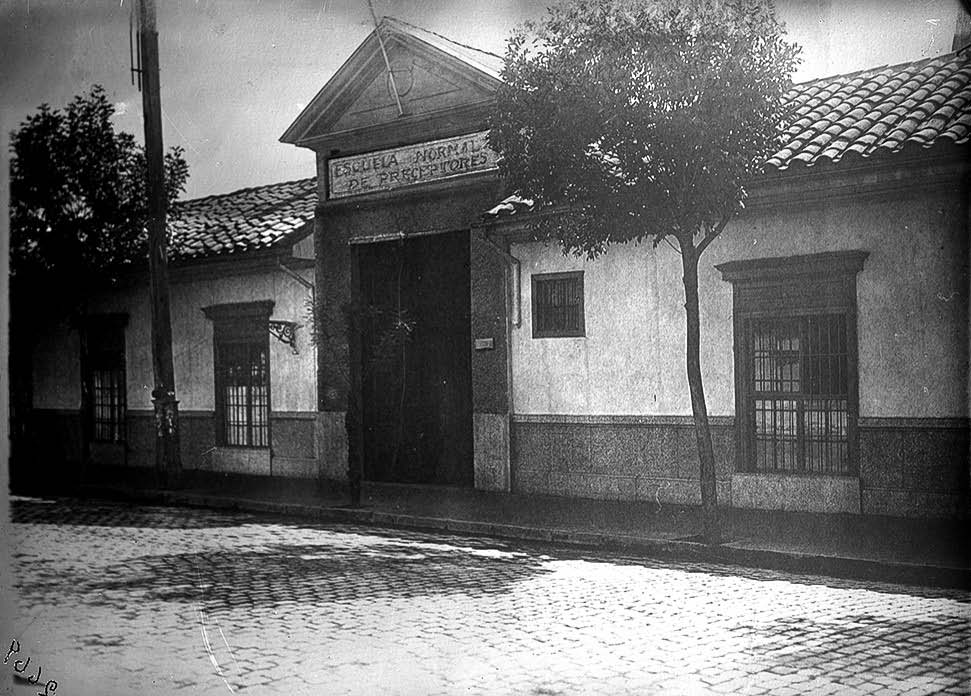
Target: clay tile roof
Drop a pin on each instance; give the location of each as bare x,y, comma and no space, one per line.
244,220
880,110
922,103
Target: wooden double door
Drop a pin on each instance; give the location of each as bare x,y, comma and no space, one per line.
415,360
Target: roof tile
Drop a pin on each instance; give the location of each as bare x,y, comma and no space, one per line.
918,102
866,114
253,218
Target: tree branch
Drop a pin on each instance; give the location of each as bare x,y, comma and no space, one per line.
668,242
714,232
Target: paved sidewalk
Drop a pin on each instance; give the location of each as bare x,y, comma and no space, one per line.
921,552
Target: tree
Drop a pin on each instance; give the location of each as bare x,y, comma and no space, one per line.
626,120
78,210
78,219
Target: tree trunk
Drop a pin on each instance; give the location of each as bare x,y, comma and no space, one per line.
706,455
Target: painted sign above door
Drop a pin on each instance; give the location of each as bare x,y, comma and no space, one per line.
413,164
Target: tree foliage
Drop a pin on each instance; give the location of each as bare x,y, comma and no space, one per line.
77,191
644,119
625,120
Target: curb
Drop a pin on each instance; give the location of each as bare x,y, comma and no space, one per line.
667,549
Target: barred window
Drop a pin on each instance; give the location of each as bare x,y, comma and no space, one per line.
242,371
799,393
108,402
558,305
796,402
243,380
105,375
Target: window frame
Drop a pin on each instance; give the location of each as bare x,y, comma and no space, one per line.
539,278
802,286
99,345
234,324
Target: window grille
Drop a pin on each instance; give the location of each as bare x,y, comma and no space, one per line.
242,371
105,376
108,402
799,396
558,305
796,385
243,392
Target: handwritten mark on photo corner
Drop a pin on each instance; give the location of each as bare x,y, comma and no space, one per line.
51,685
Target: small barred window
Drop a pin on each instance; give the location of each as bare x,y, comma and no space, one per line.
558,305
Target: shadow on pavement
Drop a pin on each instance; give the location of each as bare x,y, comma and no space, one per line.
846,642
111,514
404,563
319,573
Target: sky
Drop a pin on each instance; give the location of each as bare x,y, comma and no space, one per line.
236,73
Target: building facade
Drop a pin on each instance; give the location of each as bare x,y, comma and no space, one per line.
399,190
832,350
241,285
834,310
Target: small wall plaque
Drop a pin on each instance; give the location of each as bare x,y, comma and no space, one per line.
485,343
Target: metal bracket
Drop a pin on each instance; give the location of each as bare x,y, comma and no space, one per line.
285,332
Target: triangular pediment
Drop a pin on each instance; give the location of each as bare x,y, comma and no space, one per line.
428,79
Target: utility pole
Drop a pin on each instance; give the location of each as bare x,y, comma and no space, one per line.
168,460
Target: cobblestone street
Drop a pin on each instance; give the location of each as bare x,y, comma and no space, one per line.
115,599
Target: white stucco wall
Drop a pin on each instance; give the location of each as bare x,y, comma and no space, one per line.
912,304
292,377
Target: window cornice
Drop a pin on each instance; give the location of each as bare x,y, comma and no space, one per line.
239,310
785,268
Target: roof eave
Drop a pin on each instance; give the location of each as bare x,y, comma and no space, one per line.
912,171
337,83
221,265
